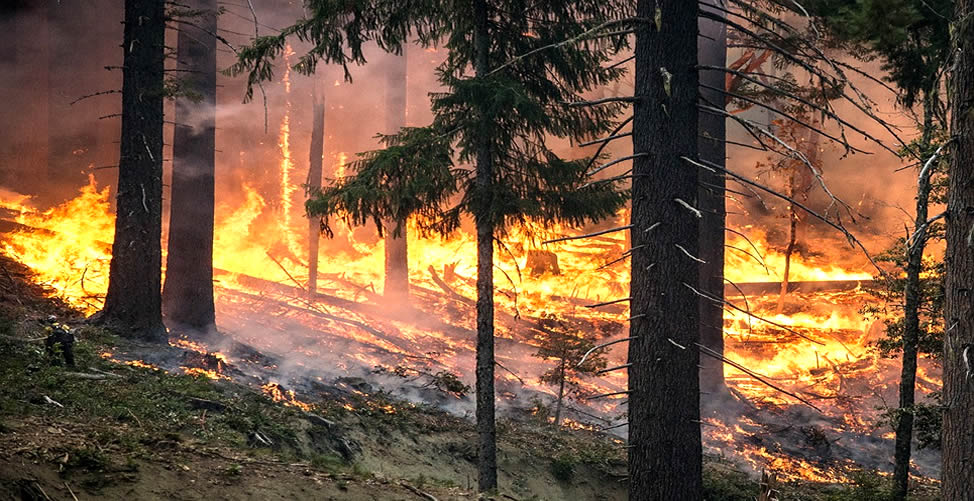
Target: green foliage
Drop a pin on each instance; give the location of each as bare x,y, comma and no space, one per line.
911,37
328,462
337,30
87,458
563,467
154,405
387,186
515,108
444,380
927,420
567,341
866,486
890,293
728,485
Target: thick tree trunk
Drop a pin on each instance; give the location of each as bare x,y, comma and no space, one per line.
665,452
133,305
188,292
712,51
486,427
911,322
958,359
396,286
316,160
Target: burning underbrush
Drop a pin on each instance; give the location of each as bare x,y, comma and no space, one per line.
806,389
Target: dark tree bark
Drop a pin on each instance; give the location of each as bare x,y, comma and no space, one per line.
396,286
562,363
133,305
958,360
665,452
484,176
188,291
712,51
316,160
911,322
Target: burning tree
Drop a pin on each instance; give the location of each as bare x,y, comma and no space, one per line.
566,342
133,305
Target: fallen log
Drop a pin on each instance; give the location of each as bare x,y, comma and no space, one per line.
769,288
449,291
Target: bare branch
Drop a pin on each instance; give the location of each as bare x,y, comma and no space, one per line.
588,235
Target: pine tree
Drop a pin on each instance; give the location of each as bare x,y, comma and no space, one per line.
665,451
567,342
712,49
133,305
315,161
958,359
498,120
396,287
188,291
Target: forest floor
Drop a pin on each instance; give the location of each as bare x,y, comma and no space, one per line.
113,430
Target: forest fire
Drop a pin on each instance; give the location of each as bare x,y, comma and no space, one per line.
818,345
691,232
807,392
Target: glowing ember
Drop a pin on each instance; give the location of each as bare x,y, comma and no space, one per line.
199,372
142,365
287,397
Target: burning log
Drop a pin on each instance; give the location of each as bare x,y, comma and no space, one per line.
768,288
449,291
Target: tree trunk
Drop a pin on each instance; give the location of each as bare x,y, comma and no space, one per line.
316,160
665,452
799,182
396,286
712,51
133,305
958,425
188,292
911,321
561,389
792,240
484,176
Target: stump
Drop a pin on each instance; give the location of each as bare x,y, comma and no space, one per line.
542,261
